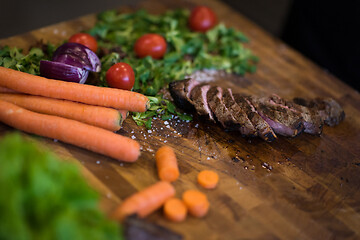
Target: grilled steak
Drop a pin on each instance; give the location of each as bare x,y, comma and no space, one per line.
311,119
199,100
263,129
221,112
180,92
252,116
282,120
247,128
329,110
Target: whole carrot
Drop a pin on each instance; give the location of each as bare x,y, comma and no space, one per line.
145,201
101,96
167,164
70,131
107,118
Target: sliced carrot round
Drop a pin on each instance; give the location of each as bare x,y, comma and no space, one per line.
175,210
196,202
208,179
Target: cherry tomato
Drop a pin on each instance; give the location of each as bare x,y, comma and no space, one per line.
150,44
120,75
85,39
202,19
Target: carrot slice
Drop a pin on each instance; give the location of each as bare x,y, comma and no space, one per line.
6,90
70,131
146,201
208,179
196,202
101,96
167,164
175,210
107,118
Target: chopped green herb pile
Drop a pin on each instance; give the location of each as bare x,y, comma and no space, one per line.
45,198
14,58
220,48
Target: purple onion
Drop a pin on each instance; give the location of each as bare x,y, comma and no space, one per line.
62,71
77,55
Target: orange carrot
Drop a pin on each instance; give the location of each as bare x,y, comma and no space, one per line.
101,96
146,201
208,179
175,210
70,131
167,164
6,90
196,202
107,118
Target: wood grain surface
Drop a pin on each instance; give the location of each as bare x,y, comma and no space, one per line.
294,188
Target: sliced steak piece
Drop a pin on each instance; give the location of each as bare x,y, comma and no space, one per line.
199,100
329,110
246,127
313,123
180,92
282,120
221,112
262,127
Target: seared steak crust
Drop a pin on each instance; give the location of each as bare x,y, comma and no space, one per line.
330,111
252,116
263,129
221,112
247,128
311,119
198,97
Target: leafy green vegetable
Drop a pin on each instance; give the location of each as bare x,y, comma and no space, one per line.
14,58
45,198
220,48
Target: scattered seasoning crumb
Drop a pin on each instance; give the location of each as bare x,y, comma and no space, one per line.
97,162
121,164
165,141
208,158
108,195
240,188
197,125
149,131
56,31
55,140
166,122
133,137
167,126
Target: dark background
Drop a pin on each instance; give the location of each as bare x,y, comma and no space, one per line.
324,31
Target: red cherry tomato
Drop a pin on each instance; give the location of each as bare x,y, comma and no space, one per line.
85,39
120,75
150,44
202,19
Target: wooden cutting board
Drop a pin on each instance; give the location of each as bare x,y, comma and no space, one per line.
294,188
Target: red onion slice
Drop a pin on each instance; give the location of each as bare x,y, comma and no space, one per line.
77,55
62,71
